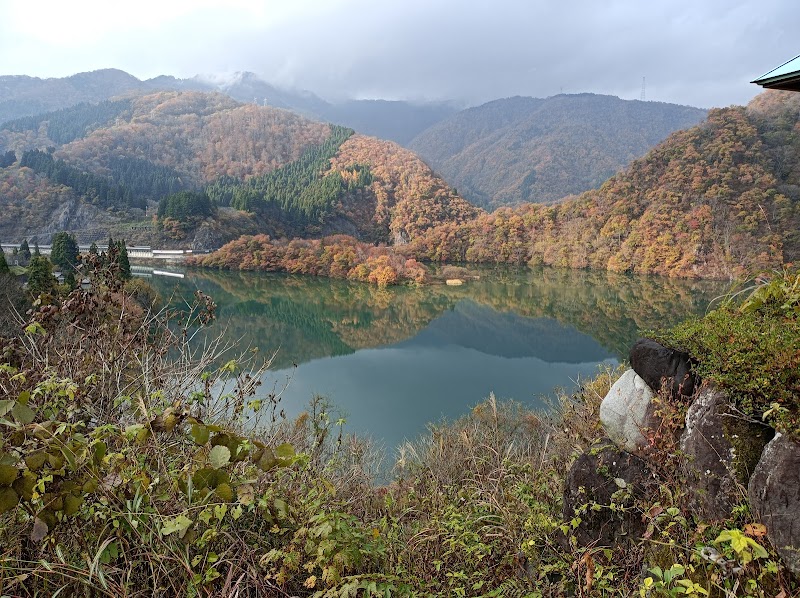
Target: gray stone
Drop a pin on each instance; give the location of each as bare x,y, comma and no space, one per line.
774,493
627,412
721,448
206,238
602,476
657,365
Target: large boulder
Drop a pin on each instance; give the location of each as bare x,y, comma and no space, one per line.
721,449
774,493
627,412
602,476
655,363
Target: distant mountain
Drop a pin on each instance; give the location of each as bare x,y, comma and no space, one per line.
397,121
24,96
393,120
718,200
517,150
249,88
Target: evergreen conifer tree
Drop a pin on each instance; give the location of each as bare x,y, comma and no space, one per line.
65,251
4,269
124,264
24,251
40,276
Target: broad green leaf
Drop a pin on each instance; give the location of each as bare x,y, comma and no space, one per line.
285,451
178,524
6,406
209,478
200,433
759,551
281,507
205,515
224,491
229,367
138,432
265,459
8,499
99,450
23,414
34,328
8,473
71,504
220,510
35,461
219,456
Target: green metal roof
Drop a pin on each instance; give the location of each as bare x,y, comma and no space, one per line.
785,76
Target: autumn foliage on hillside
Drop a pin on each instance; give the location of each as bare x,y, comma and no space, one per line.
516,150
406,198
337,256
718,200
201,135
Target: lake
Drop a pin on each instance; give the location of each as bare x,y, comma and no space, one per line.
392,360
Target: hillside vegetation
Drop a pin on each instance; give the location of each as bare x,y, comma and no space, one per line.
396,120
717,200
22,96
296,177
517,150
201,136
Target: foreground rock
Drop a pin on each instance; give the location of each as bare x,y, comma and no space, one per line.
721,450
602,476
627,412
774,493
654,363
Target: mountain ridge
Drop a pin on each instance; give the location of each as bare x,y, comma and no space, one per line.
517,150
395,120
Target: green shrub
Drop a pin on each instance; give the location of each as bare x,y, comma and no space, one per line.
751,347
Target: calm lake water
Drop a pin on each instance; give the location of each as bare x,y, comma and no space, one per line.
392,360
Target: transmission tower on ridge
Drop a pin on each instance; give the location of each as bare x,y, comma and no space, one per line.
643,96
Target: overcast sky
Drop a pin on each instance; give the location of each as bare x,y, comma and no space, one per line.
697,52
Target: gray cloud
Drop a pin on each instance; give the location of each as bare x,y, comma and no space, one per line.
698,53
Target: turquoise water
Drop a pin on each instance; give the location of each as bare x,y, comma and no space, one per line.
392,360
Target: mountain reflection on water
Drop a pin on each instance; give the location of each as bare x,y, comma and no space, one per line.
394,359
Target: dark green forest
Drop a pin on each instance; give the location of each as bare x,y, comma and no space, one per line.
69,124
297,189
95,189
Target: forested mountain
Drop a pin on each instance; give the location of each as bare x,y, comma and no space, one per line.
25,96
22,96
517,150
715,200
393,120
718,200
200,136
294,176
